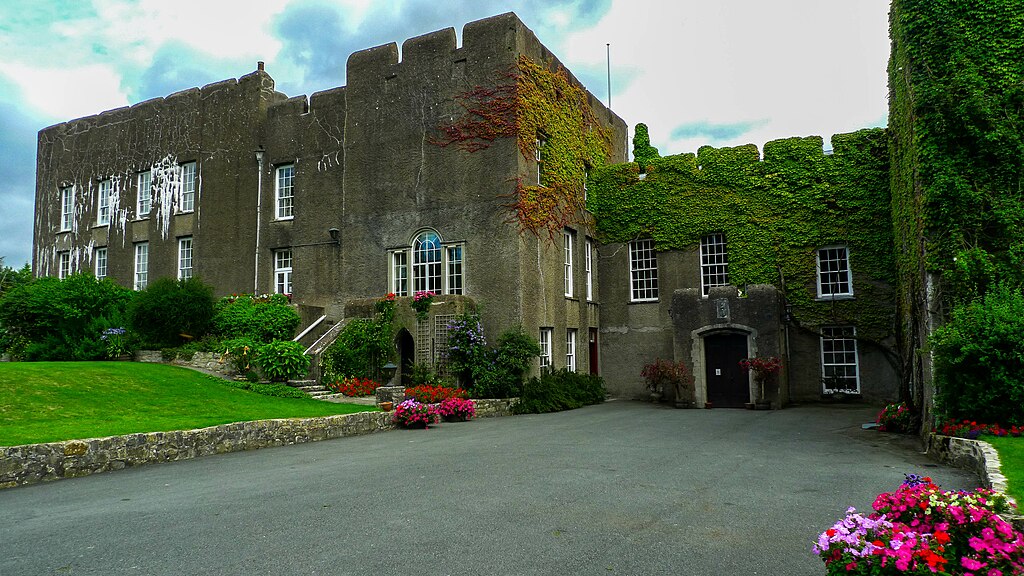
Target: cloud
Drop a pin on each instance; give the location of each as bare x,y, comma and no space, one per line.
715,132
177,66
17,172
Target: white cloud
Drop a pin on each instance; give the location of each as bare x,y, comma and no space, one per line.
66,93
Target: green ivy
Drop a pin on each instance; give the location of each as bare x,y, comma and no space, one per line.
774,213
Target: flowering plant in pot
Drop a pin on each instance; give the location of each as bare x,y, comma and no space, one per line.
896,418
413,414
922,529
763,370
456,409
662,375
421,304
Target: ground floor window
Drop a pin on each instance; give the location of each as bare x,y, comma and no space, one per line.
184,258
101,263
141,265
545,347
570,349
840,365
63,265
283,271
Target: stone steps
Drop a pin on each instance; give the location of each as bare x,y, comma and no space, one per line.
310,387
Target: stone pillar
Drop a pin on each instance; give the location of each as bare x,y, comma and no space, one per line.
394,394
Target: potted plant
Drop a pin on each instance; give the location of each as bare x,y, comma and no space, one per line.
413,414
763,369
421,304
456,409
662,375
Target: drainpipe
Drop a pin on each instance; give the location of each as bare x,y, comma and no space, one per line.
259,200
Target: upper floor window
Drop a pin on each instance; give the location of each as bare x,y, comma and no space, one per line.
453,279
400,273
283,271
643,271
545,347
103,203
67,208
540,144
840,364
188,187
588,264
145,200
714,263
141,265
100,261
63,265
284,191
184,258
568,240
428,265
834,272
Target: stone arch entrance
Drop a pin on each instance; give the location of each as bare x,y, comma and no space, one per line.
406,355
718,378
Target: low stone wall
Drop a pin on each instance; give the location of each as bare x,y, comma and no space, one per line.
977,456
207,361
32,463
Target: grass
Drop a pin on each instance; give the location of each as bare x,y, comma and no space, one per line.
52,401
1011,460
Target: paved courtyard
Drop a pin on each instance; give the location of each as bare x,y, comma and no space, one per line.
621,488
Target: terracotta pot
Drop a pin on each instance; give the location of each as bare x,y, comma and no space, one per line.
386,406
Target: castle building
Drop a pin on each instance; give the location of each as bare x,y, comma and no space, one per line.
485,174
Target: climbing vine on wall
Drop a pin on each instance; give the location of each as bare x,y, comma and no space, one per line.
537,105
957,120
774,214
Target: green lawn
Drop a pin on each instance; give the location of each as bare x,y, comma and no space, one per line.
1011,460
51,401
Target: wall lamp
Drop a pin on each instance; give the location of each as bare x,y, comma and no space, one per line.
335,239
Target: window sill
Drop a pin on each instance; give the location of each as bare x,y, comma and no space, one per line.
838,297
107,225
285,219
183,212
59,232
654,301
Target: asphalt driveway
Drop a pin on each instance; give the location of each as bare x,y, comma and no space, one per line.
621,488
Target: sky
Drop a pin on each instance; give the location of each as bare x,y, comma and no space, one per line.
697,72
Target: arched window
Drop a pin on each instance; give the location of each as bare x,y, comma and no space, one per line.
426,263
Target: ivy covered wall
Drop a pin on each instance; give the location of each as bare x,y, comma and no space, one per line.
774,213
956,121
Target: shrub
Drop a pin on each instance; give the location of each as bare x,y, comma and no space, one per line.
433,394
561,390
489,372
241,352
921,529
896,418
169,312
411,412
979,359
353,386
276,390
282,360
51,319
362,347
662,375
261,318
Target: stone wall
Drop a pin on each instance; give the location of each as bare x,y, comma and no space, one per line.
975,455
34,463
214,362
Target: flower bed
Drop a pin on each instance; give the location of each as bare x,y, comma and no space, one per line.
457,409
896,418
353,386
413,414
433,394
971,429
922,529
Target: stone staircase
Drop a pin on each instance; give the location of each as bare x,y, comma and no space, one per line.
310,387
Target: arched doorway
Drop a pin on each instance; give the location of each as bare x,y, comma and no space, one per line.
407,355
728,386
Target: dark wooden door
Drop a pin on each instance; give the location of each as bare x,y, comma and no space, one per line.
593,351
728,384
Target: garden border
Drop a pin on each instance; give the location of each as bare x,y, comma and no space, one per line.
35,463
978,456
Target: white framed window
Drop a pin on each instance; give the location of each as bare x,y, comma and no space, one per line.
568,240
545,347
103,203
284,191
586,176
63,265
400,273
100,263
188,187
67,208
283,271
643,271
840,364
714,263
426,262
436,266
834,272
141,265
588,264
540,144
453,279
144,202
570,349
184,258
